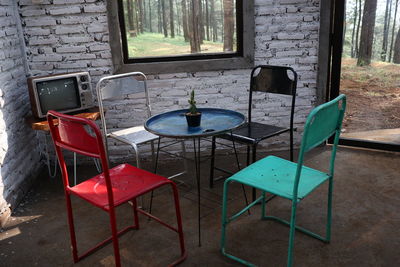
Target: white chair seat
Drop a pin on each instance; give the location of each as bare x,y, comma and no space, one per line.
134,135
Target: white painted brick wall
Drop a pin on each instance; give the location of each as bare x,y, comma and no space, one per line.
66,36
19,158
72,35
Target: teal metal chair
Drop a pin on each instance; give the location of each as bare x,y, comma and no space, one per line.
290,180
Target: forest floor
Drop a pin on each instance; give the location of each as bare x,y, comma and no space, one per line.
155,44
373,95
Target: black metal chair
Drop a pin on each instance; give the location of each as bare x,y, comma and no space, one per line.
268,79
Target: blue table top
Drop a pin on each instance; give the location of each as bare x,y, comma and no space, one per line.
213,121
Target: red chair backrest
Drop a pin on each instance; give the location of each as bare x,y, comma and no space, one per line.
69,133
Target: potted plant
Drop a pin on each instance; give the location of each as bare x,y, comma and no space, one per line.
193,116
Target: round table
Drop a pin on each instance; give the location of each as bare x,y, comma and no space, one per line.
173,124
213,121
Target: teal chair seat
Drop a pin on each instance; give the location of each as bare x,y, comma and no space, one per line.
291,180
275,175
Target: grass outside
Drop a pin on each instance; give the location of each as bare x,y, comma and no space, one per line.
373,95
380,74
155,45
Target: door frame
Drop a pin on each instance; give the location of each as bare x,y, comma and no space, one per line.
329,66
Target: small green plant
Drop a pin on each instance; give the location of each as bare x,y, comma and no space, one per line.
192,102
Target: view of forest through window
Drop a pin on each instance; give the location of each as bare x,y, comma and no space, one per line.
370,71
168,28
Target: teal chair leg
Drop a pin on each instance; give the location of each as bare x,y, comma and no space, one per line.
291,234
291,223
224,219
263,205
225,222
329,215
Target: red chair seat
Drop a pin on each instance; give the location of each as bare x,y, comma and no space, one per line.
112,188
127,182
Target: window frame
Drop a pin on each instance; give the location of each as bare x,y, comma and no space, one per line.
242,58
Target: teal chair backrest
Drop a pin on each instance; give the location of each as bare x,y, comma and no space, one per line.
323,122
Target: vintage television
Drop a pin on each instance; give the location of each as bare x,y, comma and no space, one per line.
65,93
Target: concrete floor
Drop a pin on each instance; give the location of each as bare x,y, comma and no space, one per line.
365,230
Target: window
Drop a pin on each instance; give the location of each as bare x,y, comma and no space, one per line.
161,36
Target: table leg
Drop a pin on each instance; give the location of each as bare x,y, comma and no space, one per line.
238,165
47,155
97,165
196,150
155,171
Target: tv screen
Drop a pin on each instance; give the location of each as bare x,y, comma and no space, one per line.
60,94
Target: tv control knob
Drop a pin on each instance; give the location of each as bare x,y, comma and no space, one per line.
84,86
83,79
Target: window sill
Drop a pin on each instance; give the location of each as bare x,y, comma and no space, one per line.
187,65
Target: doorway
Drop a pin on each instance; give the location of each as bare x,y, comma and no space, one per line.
365,65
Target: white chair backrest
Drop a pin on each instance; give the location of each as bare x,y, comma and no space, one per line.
116,86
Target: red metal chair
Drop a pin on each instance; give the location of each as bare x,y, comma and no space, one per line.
109,189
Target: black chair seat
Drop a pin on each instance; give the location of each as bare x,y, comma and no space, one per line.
254,132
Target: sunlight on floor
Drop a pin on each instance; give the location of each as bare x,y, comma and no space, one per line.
14,221
9,233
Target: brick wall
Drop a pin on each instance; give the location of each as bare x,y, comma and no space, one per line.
287,33
19,159
66,36
72,35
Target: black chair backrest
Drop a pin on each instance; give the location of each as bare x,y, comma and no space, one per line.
275,80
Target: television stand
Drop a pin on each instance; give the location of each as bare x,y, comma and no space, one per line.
42,124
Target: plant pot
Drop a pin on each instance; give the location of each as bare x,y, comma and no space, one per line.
193,120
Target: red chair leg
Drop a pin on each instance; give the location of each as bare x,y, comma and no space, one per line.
135,213
180,229
114,233
71,228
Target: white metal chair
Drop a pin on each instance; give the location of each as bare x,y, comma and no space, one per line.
128,89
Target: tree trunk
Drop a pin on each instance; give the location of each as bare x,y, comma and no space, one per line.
207,21
393,30
358,28
367,33
354,29
228,25
150,17
144,15
164,19
201,22
159,17
386,26
194,26
222,19
185,21
171,18
141,16
131,22
345,24
178,18
137,18
212,21
396,50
